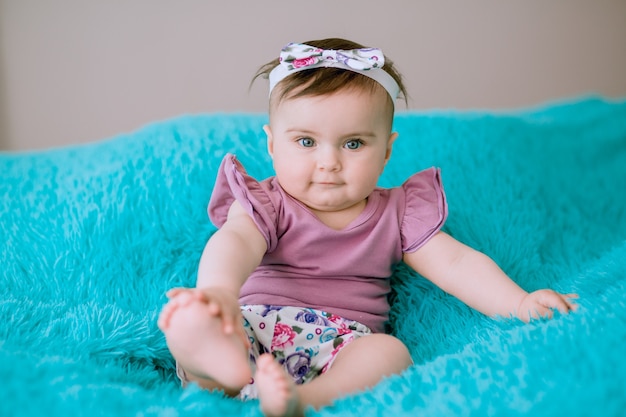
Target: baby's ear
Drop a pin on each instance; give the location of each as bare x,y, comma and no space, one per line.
270,140
390,141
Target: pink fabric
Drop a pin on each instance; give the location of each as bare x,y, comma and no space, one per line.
308,264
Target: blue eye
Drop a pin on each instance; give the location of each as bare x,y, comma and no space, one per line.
306,142
353,144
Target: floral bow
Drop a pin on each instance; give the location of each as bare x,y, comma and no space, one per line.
299,55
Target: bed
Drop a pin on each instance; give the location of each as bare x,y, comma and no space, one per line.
93,235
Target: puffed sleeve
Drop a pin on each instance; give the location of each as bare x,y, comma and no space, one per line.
233,183
425,209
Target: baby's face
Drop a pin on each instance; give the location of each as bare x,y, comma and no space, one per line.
330,150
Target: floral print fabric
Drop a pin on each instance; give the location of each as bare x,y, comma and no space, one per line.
298,55
303,340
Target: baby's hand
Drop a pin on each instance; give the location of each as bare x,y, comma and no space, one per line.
542,303
220,304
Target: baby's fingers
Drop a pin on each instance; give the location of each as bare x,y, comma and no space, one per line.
238,330
572,305
231,320
545,302
562,302
537,312
183,295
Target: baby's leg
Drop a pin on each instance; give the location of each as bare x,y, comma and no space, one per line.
277,391
197,341
360,365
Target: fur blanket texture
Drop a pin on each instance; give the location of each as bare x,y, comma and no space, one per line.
92,236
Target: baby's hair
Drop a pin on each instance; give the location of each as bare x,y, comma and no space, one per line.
322,81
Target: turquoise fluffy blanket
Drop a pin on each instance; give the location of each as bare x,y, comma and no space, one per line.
92,236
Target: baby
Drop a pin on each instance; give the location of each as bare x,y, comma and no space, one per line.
291,303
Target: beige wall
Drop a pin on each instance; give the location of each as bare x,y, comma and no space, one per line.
74,71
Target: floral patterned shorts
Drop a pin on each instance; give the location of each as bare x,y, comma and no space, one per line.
303,340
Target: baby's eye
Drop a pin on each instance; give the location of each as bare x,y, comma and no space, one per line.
306,142
353,144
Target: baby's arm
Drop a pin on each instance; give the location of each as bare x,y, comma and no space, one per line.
229,257
203,326
476,280
232,253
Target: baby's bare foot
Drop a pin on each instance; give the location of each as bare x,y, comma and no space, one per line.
197,341
277,392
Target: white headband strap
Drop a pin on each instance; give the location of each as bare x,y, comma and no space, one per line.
296,57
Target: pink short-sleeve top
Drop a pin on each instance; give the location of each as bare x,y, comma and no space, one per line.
308,264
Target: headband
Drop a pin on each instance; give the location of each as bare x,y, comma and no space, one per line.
296,57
